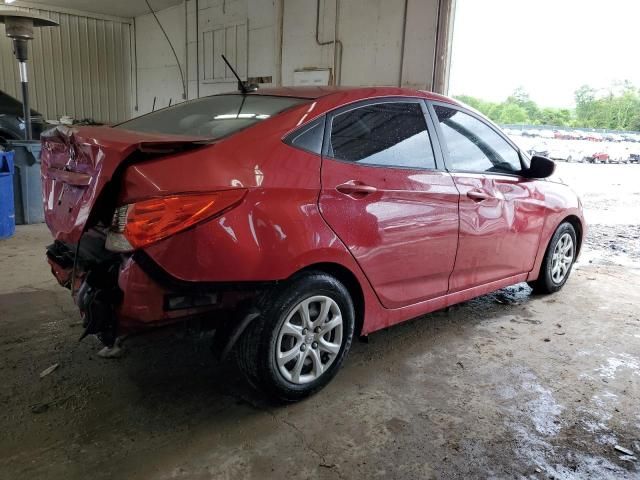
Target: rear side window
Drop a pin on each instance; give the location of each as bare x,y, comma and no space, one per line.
473,146
392,134
211,117
308,138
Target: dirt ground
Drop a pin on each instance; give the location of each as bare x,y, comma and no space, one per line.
507,385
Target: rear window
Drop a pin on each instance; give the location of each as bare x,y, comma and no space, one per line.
211,117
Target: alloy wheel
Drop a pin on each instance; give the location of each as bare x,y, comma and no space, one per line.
309,340
562,259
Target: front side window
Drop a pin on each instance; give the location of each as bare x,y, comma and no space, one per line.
473,146
211,117
392,134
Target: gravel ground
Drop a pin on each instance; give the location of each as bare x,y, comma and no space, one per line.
611,198
508,385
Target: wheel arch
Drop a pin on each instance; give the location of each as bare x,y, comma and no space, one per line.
349,280
575,222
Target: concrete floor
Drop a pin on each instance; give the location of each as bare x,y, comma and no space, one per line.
507,385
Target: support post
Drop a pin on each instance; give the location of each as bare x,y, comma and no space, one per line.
25,101
20,50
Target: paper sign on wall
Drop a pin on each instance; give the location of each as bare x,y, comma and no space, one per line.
311,77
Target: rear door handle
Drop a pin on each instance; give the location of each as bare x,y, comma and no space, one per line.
356,188
478,196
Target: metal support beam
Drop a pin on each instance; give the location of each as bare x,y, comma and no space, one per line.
444,40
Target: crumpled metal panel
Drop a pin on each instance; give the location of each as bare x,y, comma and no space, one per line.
77,163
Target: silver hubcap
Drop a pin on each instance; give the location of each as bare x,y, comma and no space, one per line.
309,339
562,258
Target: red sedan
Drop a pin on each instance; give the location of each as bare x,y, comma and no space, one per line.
293,220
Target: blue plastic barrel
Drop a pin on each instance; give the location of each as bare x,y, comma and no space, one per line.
7,212
27,184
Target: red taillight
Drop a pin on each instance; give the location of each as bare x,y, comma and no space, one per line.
142,223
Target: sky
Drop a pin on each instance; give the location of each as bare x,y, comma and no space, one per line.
549,47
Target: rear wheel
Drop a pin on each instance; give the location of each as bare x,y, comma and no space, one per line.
301,338
558,260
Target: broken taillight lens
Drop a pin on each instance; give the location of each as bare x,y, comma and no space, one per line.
140,224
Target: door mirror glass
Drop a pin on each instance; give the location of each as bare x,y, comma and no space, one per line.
540,167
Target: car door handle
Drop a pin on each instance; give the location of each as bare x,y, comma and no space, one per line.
478,196
356,188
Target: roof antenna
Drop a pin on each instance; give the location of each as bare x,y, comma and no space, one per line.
244,87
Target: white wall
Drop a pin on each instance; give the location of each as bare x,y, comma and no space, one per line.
371,32
158,73
419,44
258,57
81,68
385,42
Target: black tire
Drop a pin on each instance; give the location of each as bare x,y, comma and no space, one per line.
545,283
256,350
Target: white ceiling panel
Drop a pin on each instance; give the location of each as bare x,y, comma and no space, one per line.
118,8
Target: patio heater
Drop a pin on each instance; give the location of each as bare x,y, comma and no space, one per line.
19,26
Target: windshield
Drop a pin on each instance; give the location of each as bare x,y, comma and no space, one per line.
211,117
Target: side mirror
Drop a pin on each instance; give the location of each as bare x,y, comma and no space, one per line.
541,167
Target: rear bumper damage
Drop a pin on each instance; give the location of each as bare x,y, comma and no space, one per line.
118,295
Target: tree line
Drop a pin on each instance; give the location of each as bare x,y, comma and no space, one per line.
618,108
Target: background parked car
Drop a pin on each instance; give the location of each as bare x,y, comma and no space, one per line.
618,153
562,135
530,133
11,121
592,136
540,149
597,157
613,137
512,132
546,134
577,135
560,152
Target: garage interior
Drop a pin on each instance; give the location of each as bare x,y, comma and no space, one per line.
110,61
506,385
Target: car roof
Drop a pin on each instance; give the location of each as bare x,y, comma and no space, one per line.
351,93
12,106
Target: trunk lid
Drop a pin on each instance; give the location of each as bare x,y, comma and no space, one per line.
77,164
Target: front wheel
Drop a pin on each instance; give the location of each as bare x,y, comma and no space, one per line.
558,260
298,343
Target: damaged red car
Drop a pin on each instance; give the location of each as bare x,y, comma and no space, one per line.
293,220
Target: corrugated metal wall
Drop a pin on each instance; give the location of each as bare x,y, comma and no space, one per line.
82,68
